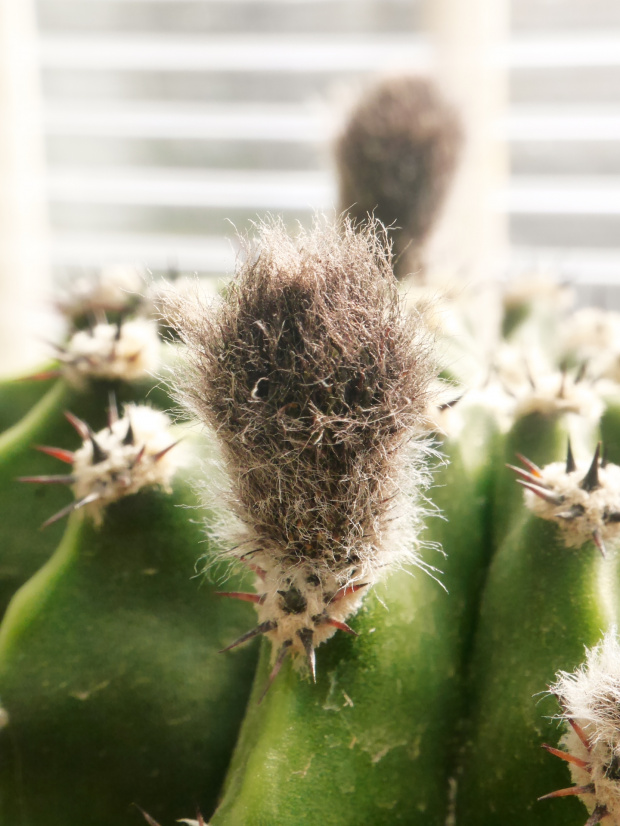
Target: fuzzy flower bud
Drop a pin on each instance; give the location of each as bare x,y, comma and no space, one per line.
315,380
396,158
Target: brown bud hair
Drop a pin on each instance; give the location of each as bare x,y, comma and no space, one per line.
314,380
396,158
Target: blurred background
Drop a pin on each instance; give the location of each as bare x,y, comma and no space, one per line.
145,131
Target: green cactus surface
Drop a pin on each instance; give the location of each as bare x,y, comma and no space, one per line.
111,682
542,438
19,395
371,735
542,603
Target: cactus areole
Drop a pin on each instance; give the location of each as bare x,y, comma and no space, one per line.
131,453
590,702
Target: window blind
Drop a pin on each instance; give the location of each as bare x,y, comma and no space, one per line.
168,120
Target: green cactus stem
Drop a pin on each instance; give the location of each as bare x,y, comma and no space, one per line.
112,687
370,741
18,395
23,548
610,428
463,494
547,595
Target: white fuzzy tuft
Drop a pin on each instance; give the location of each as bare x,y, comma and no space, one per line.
537,387
452,419
590,697
131,462
557,392
592,336
116,288
521,382
540,287
129,352
579,512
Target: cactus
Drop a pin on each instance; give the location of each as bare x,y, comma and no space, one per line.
19,394
415,640
305,735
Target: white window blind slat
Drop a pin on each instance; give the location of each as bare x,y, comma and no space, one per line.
165,117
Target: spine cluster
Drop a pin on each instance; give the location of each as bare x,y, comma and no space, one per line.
133,452
127,351
590,700
583,500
